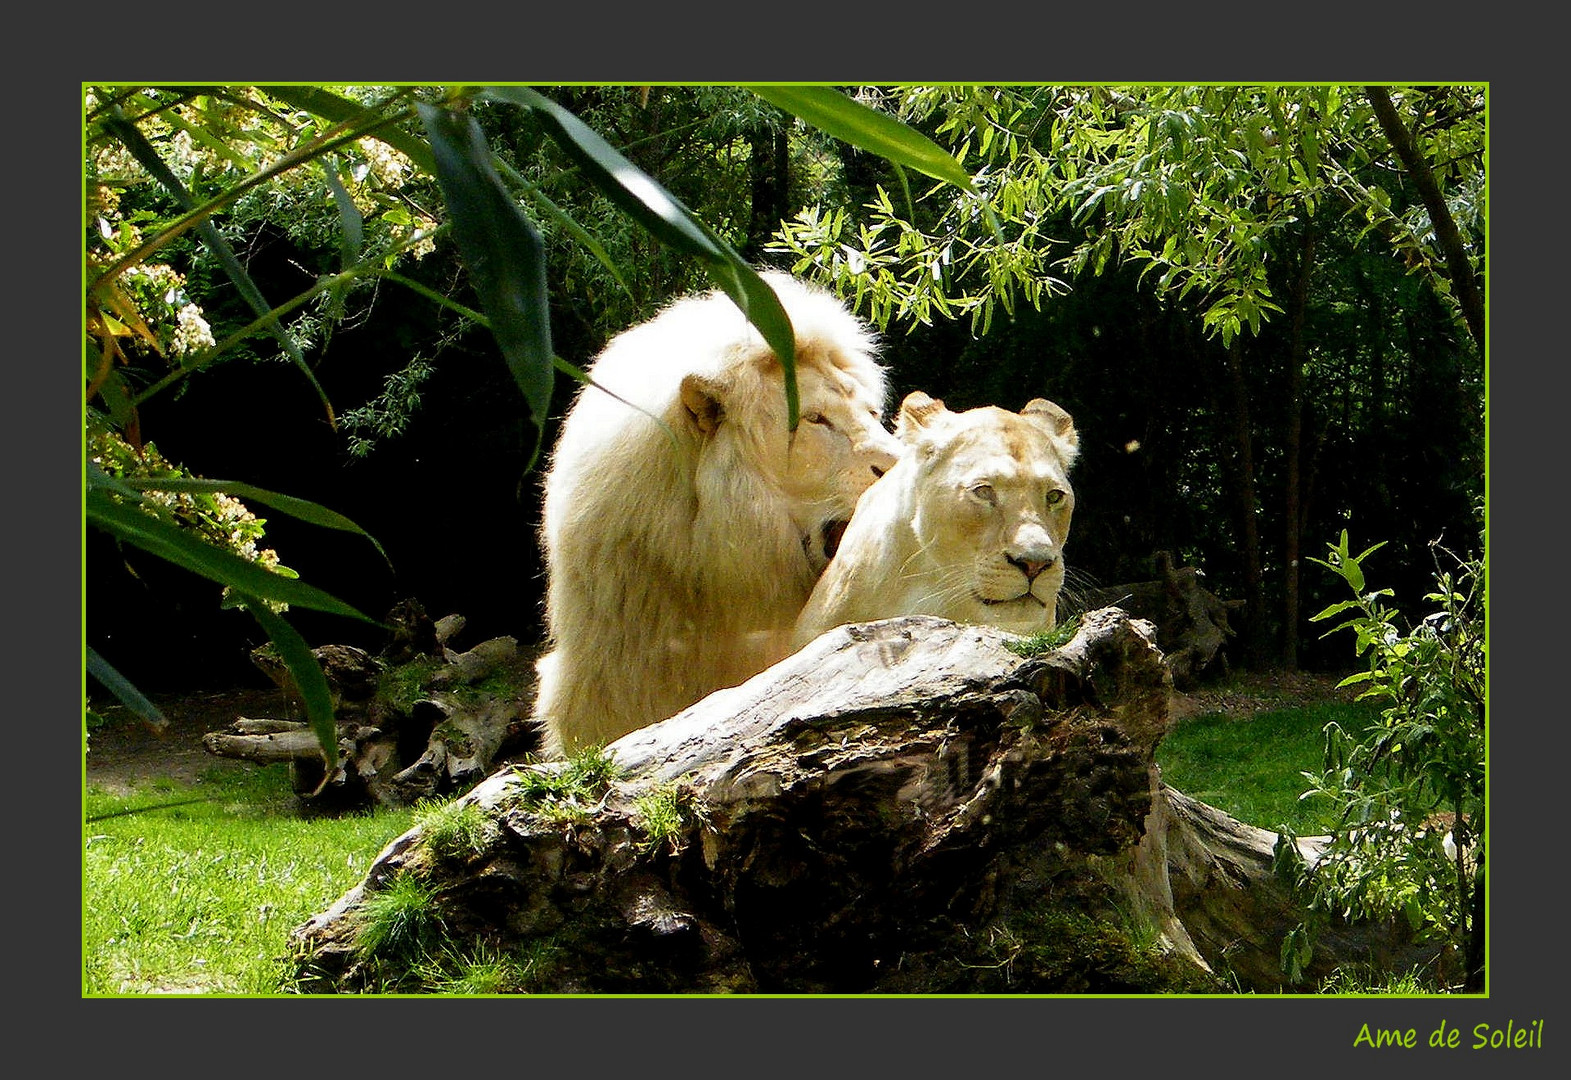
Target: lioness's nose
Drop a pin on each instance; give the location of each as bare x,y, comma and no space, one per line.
1031,564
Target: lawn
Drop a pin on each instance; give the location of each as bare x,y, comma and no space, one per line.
194,888
1252,766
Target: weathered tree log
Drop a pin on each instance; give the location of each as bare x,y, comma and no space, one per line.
1192,624
1238,912
265,742
426,731
483,660
901,807
463,744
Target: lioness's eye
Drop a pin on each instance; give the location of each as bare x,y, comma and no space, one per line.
985,493
1055,497
819,418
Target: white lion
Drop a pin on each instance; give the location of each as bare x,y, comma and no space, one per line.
969,525
681,541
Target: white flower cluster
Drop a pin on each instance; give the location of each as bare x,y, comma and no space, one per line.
382,168
232,515
421,232
192,334
220,519
160,278
182,154
103,202
388,166
112,159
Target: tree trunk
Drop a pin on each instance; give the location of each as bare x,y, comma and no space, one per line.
901,807
770,172
1246,508
1293,452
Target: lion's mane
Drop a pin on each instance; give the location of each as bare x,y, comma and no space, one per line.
684,526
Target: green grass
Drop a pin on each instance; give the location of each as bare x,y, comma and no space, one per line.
1252,767
194,889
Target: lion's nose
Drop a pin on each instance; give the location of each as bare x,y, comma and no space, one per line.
880,450
882,460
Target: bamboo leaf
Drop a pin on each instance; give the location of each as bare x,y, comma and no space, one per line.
641,198
341,110
502,251
307,674
350,221
124,691
135,526
831,112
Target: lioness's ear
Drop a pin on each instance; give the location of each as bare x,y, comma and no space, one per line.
1059,424
701,402
917,411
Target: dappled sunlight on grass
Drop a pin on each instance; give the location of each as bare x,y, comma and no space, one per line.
193,889
1251,766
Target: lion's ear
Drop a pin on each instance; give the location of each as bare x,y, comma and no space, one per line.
917,411
1059,424
701,402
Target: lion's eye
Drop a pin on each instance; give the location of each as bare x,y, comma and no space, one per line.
819,418
985,493
1056,497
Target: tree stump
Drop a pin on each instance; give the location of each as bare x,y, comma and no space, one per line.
905,806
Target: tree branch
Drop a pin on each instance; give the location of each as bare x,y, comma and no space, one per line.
1446,234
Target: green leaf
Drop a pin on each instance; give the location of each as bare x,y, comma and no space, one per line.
123,690
341,110
565,222
351,227
502,251
1354,573
153,534
350,221
307,675
833,113
1334,609
303,509
641,198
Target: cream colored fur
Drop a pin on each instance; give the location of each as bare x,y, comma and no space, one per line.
969,525
679,552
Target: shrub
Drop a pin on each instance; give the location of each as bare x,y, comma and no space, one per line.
1409,789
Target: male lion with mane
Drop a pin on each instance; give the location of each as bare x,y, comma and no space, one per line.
682,541
969,525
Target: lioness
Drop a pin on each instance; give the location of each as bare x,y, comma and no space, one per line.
969,525
681,542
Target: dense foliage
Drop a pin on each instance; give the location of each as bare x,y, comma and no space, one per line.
1242,293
